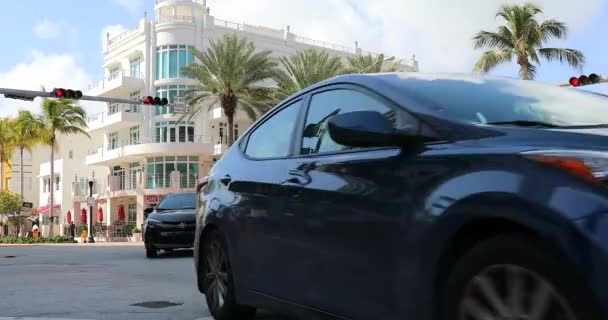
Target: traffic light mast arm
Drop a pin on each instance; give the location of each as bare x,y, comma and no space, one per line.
30,95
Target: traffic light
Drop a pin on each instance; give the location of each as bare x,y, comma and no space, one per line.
584,80
156,101
66,93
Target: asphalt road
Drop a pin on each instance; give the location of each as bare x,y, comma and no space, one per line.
80,282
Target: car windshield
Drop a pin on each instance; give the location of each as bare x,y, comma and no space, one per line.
502,101
178,201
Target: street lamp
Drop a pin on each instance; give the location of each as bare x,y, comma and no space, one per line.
91,239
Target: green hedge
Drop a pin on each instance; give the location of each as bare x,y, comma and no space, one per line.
56,239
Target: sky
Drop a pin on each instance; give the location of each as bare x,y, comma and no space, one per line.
59,43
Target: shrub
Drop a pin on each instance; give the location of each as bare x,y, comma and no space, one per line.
55,239
136,230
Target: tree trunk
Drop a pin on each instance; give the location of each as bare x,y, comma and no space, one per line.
52,202
229,106
524,65
21,185
230,129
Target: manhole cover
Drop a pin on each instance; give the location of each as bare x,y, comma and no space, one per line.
156,304
9,257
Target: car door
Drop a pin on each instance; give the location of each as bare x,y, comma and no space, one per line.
257,196
351,212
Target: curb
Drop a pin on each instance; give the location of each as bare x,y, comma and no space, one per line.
97,244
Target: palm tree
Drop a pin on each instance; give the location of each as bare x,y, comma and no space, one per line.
523,37
59,116
27,135
304,69
230,72
370,64
7,144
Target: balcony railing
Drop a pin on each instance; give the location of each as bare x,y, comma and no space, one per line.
123,35
133,142
116,75
174,180
114,108
79,189
169,19
325,45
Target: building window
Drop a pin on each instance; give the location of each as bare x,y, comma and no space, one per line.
132,213
135,96
71,154
114,73
134,135
169,92
57,183
223,129
9,186
159,171
167,131
112,140
171,59
135,72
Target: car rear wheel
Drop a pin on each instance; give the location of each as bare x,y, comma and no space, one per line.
151,252
510,278
218,282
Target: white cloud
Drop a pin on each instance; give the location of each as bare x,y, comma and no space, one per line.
439,32
47,29
48,70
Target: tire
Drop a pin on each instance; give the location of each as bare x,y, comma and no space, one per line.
509,262
221,279
151,252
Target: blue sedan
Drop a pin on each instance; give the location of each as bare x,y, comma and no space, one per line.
412,196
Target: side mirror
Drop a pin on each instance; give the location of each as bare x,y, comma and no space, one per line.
147,212
369,129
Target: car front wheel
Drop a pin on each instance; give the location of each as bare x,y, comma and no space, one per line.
509,277
151,252
218,282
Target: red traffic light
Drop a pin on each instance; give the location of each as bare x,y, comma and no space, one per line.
573,81
59,93
157,101
67,94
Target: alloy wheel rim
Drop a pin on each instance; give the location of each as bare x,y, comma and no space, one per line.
217,275
509,292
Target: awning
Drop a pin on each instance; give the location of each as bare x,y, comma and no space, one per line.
44,210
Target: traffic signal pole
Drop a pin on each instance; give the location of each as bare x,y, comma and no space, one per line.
30,95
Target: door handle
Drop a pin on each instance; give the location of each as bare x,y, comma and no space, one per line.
225,180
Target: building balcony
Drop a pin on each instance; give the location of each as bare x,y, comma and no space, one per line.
129,151
80,192
117,116
119,84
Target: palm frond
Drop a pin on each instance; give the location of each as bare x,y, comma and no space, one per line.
490,59
553,29
575,58
491,40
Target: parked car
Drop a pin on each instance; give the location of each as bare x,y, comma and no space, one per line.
171,224
400,196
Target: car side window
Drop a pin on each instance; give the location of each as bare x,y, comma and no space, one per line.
326,104
273,137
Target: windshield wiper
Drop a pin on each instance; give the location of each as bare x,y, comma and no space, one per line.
525,123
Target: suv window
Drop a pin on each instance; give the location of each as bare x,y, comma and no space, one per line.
177,201
326,104
273,137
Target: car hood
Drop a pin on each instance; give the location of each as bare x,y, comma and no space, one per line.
534,138
175,216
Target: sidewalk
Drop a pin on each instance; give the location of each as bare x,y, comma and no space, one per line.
96,244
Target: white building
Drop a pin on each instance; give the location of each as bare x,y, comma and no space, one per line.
144,153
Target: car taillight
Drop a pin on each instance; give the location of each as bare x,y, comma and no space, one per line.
589,165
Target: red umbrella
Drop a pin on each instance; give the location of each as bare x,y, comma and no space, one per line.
100,215
69,217
121,212
83,215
